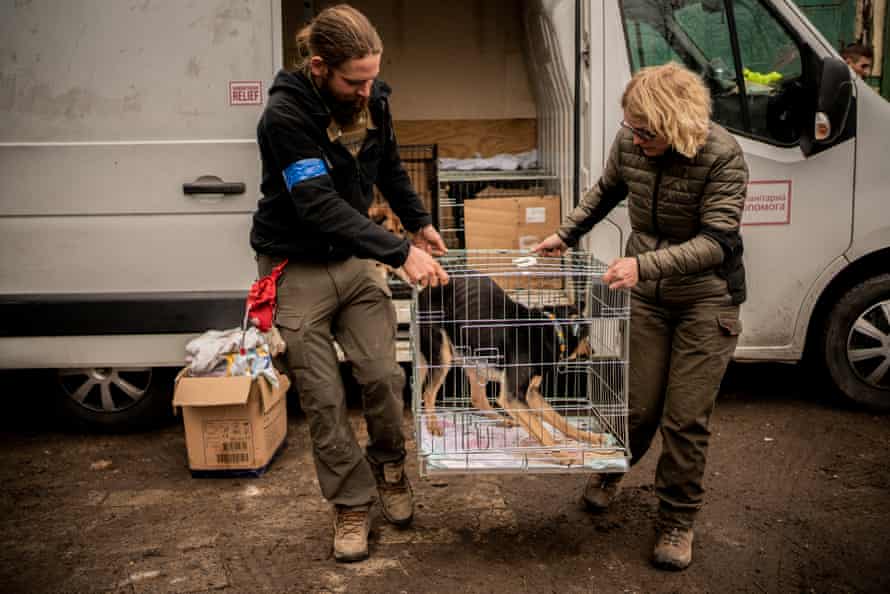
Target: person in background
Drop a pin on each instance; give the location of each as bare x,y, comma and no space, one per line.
326,138
859,57
685,179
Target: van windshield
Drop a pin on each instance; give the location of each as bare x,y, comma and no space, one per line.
746,56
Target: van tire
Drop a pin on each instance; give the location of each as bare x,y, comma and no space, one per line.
864,305
148,404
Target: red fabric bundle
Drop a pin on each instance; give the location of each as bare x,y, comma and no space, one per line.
261,299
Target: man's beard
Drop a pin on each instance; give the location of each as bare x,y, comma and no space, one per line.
343,112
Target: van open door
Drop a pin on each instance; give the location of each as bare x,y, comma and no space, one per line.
607,242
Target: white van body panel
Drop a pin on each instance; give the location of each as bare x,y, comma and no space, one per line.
146,350
607,239
871,220
106,110
93,70
876,240
818,231
153,350
124,235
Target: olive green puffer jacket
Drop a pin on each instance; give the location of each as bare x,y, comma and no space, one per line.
684,214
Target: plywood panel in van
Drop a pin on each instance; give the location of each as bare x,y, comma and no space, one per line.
460,59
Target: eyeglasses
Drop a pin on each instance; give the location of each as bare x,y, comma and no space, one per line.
641,133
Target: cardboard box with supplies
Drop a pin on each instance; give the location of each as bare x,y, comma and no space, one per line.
515,223
233,425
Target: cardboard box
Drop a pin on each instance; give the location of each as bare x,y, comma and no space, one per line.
233,425
517,223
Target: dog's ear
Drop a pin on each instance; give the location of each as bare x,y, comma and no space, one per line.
382,214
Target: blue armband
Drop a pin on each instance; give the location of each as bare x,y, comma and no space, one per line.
302,170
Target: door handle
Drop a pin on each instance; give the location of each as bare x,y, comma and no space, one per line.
210,184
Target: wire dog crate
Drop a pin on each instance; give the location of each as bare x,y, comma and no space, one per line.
520,365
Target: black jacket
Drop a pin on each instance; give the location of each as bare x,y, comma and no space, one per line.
323,214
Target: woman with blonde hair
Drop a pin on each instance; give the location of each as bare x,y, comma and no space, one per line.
684,178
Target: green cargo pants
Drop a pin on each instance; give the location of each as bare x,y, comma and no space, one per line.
678,356
351,302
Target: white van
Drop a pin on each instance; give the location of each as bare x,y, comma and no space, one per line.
129,169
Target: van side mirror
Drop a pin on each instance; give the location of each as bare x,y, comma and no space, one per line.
833,102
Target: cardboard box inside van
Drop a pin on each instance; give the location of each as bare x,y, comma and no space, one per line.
233,425
514,223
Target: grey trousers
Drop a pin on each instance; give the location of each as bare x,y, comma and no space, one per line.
678,356
351,302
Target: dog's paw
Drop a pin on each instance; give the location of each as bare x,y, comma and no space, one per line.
434,426
502,420
564,459
576,435
594,439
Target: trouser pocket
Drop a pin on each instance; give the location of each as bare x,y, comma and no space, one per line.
730,325
291,328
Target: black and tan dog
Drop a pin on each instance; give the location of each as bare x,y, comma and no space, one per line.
473,316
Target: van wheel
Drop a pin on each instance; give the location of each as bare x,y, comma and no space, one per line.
116,399
856,343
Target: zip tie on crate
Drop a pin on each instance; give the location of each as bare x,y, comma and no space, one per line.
525,261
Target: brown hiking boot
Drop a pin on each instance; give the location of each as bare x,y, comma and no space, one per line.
396,497
673,549
600,491
351,528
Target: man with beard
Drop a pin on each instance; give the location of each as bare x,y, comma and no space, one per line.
326,138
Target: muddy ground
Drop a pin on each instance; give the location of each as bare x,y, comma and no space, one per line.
798,501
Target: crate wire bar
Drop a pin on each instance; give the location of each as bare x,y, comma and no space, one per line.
508,314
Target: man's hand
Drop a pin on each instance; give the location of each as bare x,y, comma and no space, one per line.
552,246
422,269
622,273
429,240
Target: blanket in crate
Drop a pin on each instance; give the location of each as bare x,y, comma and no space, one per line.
473,442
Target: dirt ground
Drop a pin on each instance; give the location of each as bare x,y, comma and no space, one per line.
798,501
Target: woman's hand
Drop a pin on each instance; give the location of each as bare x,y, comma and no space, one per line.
622,273
552,246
